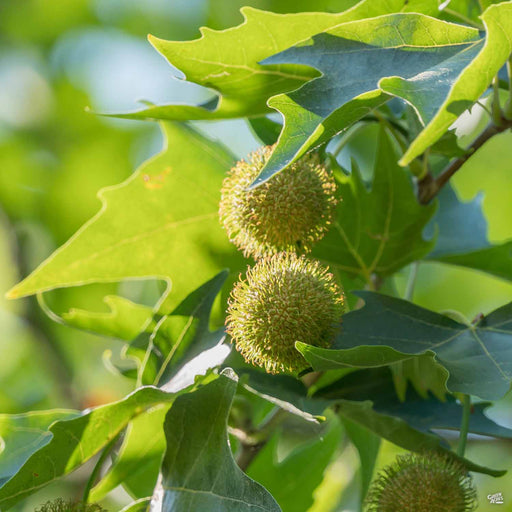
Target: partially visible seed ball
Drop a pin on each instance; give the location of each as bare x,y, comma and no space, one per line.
430,482
62,505
290,212
285,298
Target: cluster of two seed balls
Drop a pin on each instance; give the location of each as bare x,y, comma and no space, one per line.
286,297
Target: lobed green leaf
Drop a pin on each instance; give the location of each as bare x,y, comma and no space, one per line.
367,398
198,469
377,230
462,238
478,357
23,434
228,61
73,442
358,62
473,80
160,223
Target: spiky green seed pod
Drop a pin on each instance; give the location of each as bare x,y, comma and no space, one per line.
61,505
431,482
290,212
285,298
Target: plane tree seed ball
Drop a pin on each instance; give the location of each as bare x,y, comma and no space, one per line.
430,482
62,505
290,212
285,298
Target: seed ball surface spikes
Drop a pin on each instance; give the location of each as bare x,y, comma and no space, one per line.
430,482
290,212
62,505
285,298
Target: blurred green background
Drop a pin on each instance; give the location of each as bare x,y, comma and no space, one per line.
57,58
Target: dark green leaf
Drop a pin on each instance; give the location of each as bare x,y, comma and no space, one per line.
425,414
286,392
183,334
461,227
399,432
293,480
23,434
368,398
198,470
477,357
367,444
462,238
378,230
75,441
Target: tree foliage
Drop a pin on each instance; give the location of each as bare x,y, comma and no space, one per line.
202,429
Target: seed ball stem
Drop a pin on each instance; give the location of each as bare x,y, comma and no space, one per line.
290,212
285,298
429,482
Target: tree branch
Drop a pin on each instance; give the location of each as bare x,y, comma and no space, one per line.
429,187
53,356
252,443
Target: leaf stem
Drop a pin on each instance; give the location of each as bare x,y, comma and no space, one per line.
346,137
463,18
508,106
253,442
484,107
464,425
456,315
411,282
416,167
97,468
400,139
497,115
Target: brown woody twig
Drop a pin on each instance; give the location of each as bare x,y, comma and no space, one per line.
430,186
